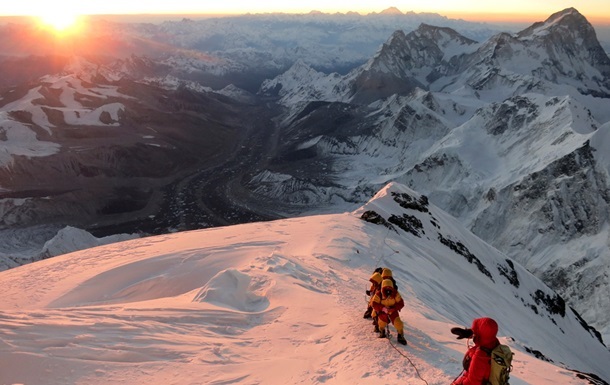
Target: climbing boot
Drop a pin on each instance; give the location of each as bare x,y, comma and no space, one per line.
401,339
376,329
367,313
382,334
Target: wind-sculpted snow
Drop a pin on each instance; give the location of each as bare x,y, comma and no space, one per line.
230,288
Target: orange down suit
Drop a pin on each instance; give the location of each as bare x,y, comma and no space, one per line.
388,306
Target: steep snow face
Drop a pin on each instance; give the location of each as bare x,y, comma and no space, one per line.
600,143
504,141
555,222
524,175
484,130
267,302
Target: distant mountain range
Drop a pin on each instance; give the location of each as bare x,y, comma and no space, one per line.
249,48
224,121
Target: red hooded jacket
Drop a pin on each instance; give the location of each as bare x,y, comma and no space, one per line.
484,336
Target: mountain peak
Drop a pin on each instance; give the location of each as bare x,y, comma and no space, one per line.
441,34
569,18
391,11
398,34
568,11
570,31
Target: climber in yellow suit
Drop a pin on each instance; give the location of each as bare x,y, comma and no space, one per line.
387,302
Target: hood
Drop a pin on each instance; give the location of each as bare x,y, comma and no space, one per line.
386,273
485,331
376,278
387,283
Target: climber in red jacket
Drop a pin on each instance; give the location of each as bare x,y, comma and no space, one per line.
477,364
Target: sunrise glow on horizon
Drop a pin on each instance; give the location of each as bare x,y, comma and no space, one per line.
517,10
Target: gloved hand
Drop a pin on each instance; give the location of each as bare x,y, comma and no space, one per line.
368,292
462,332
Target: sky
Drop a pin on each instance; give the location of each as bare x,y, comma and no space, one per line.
528,10
277,302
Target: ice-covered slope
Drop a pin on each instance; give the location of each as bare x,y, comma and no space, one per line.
282,302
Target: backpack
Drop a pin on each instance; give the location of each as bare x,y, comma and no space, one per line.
501,364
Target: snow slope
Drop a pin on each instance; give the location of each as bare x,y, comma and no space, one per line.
281,302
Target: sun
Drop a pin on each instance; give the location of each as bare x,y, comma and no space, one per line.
59,21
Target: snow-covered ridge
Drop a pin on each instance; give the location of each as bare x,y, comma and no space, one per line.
236,304
70,239
27,245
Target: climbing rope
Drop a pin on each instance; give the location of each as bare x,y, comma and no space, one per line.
381,258
387,326
386,243
408,359
385,238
